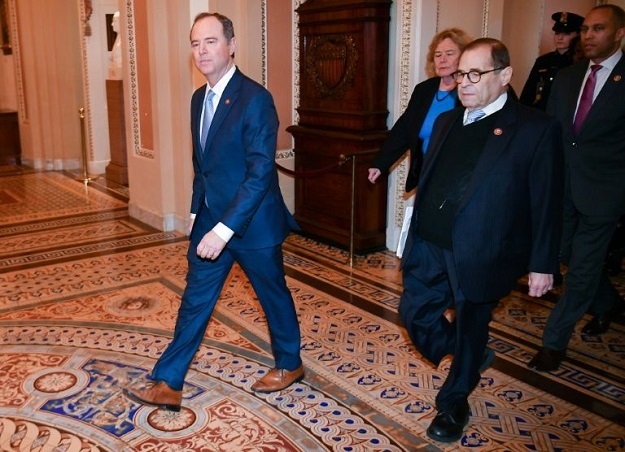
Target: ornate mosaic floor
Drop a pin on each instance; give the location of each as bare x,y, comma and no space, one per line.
88,301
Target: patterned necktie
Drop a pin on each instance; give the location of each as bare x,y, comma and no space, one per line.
209,112
475,115
585,102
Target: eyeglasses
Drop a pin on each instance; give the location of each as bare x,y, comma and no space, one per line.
474,76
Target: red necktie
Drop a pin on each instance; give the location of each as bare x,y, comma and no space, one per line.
585,102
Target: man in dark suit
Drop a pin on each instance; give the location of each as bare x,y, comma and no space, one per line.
589,101
486,213
237,215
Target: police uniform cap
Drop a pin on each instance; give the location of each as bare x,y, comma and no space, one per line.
566,22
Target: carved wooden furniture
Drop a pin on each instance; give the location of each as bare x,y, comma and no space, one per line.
342,112
117,169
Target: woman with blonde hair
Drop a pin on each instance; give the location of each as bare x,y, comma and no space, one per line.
430,98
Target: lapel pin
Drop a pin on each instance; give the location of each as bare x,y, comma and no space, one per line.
617,78
497,131
227,101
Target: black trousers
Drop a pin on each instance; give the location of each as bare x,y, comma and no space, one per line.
585,242
430,286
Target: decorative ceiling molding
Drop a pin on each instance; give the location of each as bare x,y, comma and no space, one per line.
85,9
131,54
263,13
485,13
405,16
17,59
438,15
296,67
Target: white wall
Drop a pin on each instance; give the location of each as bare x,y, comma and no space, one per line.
524,47
97,71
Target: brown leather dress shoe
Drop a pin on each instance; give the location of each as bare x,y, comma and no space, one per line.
158,394
277,379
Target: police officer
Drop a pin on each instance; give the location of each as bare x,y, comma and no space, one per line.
536,90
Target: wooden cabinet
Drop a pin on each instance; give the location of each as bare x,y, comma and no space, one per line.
10,147
117,169
343,60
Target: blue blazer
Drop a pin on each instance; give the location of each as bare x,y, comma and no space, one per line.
236,177
508,222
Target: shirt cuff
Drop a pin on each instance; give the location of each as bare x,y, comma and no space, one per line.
223,231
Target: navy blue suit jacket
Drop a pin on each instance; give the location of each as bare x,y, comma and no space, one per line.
508,222
595,159
236,176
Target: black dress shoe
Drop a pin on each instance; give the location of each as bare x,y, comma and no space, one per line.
599,324
547,360
448,425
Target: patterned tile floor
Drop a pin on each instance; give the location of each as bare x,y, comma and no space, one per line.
88,300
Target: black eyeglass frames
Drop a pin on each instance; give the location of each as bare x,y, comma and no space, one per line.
474,76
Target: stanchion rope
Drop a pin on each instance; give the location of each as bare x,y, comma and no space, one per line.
317,172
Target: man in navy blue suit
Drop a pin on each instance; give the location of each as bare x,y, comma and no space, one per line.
237,215
487,212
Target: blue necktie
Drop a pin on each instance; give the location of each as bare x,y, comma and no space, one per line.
208,116
475,115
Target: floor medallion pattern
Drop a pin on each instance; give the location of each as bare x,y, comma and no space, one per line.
88,301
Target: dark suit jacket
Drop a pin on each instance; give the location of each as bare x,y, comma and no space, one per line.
236,176
404,134
594,160
508,222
